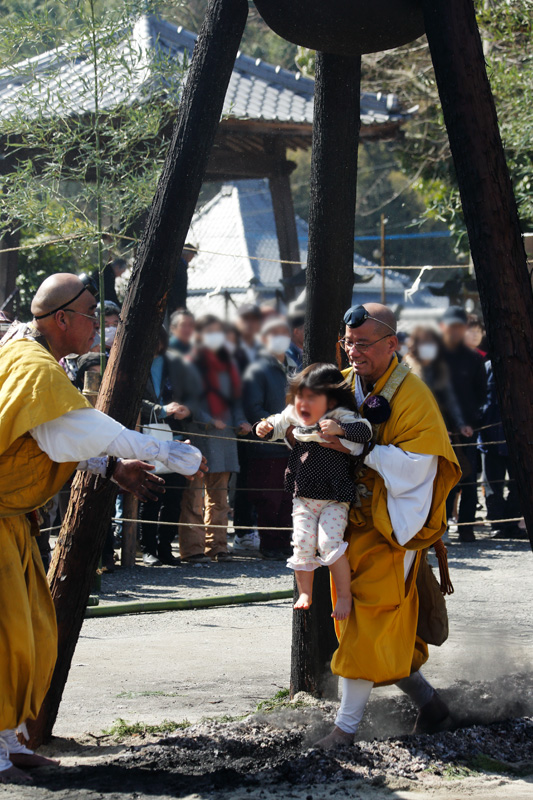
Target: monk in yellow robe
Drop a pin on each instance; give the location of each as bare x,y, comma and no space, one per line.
47,430
403,487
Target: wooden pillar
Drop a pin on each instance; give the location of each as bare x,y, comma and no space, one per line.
329,284
492,222
84,529
8,267
128,551
285,219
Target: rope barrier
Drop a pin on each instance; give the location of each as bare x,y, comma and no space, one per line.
255,528
487,522
239,439
199,525
284,444
478,444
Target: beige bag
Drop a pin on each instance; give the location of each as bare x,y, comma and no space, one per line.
432,611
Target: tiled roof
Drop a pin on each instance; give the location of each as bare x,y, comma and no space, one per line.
59,82
235,233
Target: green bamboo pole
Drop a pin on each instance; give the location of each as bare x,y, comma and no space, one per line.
151,606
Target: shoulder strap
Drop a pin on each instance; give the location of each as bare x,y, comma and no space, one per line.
389,390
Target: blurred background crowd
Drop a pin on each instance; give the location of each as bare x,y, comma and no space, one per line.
211,380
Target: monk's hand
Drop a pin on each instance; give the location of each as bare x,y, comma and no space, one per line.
333,443
201,469
137,477
330,427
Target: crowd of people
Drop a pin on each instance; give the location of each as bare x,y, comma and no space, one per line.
368,513
212,381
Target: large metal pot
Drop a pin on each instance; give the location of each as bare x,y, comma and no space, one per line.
345,27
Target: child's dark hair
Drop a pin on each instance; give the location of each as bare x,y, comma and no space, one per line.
323,379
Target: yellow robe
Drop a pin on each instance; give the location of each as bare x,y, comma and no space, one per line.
378,641
33,390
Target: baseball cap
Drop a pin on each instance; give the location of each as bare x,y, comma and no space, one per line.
249,310
455,315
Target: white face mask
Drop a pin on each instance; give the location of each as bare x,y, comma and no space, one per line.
404,349
278,344
427,351
214,340
230,346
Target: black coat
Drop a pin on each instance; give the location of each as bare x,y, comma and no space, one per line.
264,393
469,382
180,385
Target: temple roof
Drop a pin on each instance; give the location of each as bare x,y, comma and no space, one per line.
60,81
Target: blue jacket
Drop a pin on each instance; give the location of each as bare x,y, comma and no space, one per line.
490,415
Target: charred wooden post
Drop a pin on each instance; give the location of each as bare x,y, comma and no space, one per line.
82,536
329,284
8,268
492,222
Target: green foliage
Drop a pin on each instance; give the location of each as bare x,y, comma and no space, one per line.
81,174
422,154
121,729
258,40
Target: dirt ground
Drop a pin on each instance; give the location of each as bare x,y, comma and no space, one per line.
200,668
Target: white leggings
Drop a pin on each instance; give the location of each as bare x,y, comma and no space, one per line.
355,694
318,525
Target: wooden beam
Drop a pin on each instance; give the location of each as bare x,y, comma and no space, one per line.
228,165
329,282
8,267
285,219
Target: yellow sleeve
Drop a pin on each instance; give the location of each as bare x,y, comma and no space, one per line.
33,389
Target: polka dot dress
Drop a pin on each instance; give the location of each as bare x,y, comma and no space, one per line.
318,473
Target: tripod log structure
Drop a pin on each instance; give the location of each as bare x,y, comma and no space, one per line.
341,31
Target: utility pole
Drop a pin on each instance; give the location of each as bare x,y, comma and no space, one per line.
383,262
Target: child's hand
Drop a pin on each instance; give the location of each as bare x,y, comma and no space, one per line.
263,428
330,427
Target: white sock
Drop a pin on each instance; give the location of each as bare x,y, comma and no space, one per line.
10,744
355,694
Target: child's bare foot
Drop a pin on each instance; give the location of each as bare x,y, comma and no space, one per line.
303,602
343,607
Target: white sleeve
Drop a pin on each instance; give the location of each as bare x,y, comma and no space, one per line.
409,481
281,422
177,456
86,433
77,435
95,466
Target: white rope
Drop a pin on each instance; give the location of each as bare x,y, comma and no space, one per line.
247,527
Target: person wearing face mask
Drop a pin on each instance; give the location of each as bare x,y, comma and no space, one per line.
403,345
219,413
425,357
265,388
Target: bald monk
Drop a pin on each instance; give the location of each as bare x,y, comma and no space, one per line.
47,431
403,485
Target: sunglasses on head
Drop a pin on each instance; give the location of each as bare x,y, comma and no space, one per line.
88,286
358,315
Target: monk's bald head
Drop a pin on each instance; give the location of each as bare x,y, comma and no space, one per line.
55,291
381,314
